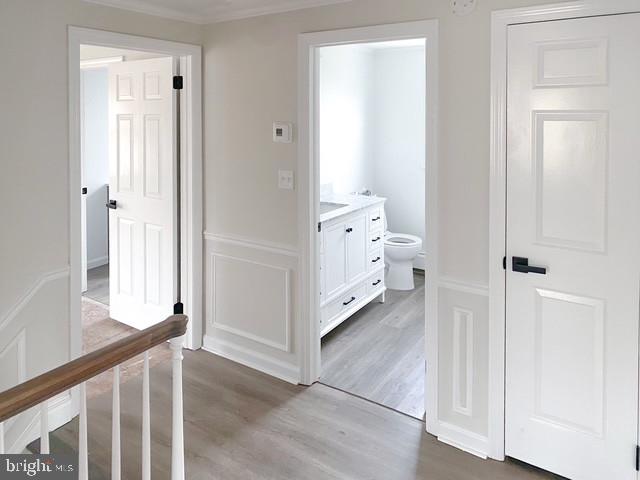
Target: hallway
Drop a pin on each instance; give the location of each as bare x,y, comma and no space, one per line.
241,424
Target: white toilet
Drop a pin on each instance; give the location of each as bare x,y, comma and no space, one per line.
400,250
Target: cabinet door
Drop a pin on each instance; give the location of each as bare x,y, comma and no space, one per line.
335,256
357,242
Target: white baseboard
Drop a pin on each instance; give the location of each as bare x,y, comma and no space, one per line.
283,371
61,411
465,440
97,262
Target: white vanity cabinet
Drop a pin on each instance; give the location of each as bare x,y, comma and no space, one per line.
351,262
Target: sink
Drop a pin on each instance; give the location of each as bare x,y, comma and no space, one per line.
326,207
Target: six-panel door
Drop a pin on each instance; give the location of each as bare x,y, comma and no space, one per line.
141,161
573,207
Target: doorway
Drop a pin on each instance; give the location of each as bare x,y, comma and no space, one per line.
125,88
371,127
340,295
571,263
141,168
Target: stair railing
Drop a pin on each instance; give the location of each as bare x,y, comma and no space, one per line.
39,390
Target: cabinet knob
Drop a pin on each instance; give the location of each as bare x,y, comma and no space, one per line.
349,230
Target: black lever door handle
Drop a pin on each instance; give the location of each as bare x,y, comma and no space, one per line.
347,303
521,264
112,204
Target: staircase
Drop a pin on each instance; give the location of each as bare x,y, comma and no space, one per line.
38,391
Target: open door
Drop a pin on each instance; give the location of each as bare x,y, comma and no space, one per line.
142,240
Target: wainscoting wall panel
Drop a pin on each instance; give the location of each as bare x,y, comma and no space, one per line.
31,343
463,363
250,304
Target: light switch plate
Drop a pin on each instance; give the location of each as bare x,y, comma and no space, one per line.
282,132
285,179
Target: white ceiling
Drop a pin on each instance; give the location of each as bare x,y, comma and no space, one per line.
211,11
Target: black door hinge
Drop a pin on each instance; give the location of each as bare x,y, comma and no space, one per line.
637,458
178,308
319,227
504,263
177,82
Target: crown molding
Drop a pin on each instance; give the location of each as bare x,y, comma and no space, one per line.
143,6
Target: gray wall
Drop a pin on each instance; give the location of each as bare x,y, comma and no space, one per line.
95,153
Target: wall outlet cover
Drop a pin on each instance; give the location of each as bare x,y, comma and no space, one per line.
285,179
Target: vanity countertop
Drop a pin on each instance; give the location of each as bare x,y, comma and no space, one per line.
345,204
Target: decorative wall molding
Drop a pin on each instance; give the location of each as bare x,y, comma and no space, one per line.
203,18
463,439
61,411
263,363
217,323
24,300
463,324
463,286
246,242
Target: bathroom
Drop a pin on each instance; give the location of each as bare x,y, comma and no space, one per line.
371,141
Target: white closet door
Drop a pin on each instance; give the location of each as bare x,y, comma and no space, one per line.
573,207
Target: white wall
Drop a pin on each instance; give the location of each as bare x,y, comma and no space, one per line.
251,72
346,113
95,151
34,157
399,138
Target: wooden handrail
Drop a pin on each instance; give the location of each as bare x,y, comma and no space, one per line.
43,387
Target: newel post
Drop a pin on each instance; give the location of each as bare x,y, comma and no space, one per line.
177,440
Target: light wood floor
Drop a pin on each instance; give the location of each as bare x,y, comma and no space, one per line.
378,353
98,284
244,425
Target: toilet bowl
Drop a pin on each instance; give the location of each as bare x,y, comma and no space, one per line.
399,252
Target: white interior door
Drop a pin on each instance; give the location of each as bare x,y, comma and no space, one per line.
141,163
573,207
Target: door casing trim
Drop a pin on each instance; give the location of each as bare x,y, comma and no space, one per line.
190,60
500,21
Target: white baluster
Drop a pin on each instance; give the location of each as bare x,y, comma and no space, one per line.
83,450
2,438
44,428
177,441
115,426
146,421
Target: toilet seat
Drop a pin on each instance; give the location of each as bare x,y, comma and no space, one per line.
401,240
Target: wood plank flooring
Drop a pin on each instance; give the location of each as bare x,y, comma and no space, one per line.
378,353
244,425
98,284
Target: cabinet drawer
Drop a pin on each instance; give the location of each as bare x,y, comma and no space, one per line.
376,259
342,303
376,240
375,282
375,219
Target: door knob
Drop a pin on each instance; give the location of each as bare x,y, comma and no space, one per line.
112,204
521,264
